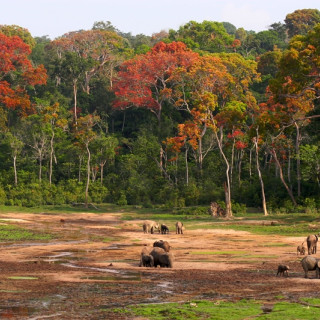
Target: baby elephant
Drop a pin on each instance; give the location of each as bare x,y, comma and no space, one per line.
283,270
146,261
162,244
301,249
164,229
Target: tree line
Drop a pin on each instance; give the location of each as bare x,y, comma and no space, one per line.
208,112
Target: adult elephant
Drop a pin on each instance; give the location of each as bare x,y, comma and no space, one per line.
162,244
312,243
162,258
310,264
179,227
150,226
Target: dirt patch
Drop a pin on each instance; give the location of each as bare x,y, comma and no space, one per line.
93,266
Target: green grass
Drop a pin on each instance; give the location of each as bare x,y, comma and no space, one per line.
22,278
14,233
221,310
295,224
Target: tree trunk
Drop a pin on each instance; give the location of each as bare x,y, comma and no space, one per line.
264,203
51,158
298,139
88,175
232,160
281,176
40,166
79,171
15,170
75,91
227,185
102,164
187,166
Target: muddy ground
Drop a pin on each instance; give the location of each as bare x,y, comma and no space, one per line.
93,266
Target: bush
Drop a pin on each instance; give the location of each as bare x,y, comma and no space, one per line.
72,191
196,211
310,205
191,194
3,196
239,208
98,193
122,201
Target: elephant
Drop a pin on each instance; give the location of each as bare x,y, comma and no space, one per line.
162,244
146,261
164,229
162,258
179,227
150,225
283,270
301,249
310,264
312,243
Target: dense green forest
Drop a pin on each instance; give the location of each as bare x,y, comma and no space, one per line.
206,113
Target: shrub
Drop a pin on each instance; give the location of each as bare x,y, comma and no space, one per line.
98,193
310,205
239,208
122,201
3,196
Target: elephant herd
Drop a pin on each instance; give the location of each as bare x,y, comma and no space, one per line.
308,263
163,229
160,254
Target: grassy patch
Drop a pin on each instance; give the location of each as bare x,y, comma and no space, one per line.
276,245
221,310
13,233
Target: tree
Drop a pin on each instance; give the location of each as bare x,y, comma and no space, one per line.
17,73
105,150
16,146
214,91
22,33
144,81
301,21
297,85
82,55
206,36
36,138
85,136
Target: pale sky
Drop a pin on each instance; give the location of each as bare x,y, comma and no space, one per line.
53,18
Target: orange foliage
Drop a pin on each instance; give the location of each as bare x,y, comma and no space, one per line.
14,59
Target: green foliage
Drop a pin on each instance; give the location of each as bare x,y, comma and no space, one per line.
220,310
206,36
13,233
122,201
3,196
98,193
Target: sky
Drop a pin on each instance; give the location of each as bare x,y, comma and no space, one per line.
53,18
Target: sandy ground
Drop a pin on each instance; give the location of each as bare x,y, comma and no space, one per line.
93,266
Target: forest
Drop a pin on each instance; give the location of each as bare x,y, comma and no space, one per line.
180,119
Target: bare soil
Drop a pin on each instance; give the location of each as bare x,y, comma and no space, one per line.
93,267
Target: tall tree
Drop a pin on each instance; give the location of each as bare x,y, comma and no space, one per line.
83,55
85,135
208,36
17,73
301,21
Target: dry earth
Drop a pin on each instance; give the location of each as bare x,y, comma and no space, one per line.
80,276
